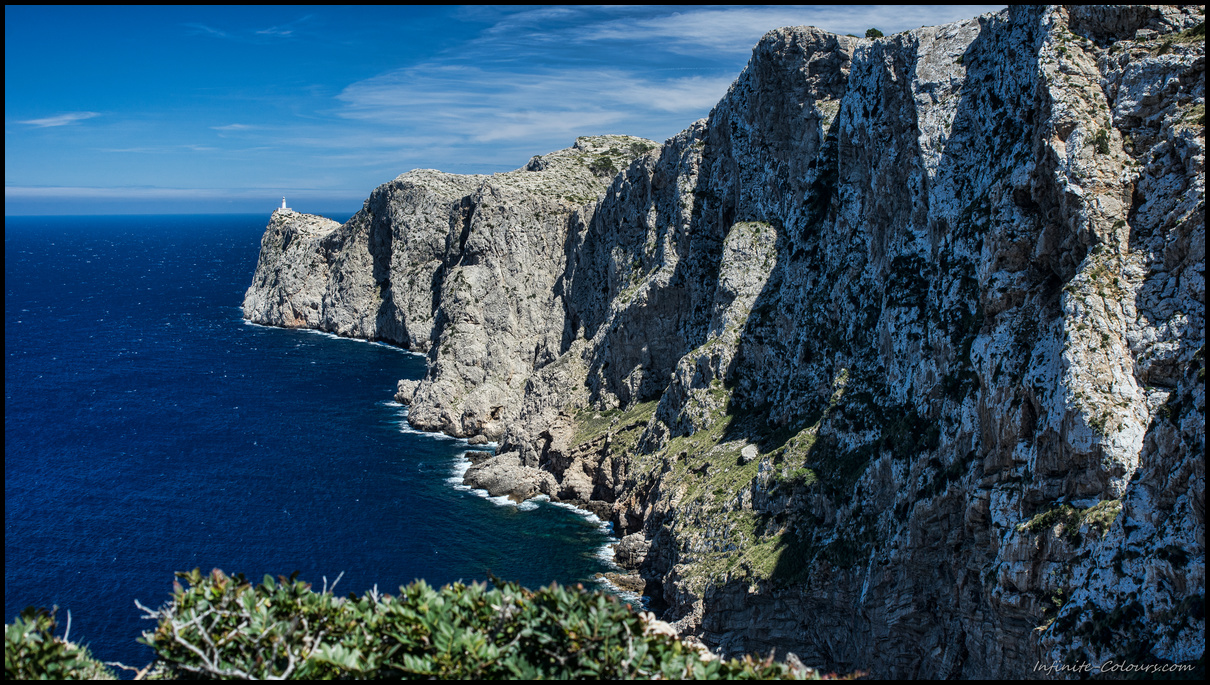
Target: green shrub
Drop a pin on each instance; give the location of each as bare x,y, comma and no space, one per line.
1068,519
32,652
218,626
221,626
873,33
603,166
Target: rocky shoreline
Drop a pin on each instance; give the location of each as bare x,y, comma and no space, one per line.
501,481
502,476
896,361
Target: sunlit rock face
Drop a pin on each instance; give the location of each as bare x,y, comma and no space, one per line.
895,361
463,268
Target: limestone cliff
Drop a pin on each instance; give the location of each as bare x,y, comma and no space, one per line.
895,361
463,268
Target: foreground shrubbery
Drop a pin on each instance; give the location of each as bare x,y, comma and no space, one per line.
218,626
32,652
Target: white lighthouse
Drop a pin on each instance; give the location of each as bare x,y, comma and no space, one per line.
284,208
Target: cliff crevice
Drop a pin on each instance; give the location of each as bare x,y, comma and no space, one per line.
895,361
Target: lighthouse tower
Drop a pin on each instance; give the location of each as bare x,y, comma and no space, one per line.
284,208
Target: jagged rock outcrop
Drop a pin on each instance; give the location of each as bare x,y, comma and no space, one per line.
463,268
503,475
895,362
293,271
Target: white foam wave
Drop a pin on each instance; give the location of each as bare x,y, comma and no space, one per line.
405,427
587,516
326,334
258,325
377,343
500,501
532,503
461,464
634,599
458,472
606,554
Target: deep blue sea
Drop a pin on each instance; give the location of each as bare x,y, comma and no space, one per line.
148,429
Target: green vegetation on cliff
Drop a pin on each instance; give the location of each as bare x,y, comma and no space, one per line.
219,626
33,652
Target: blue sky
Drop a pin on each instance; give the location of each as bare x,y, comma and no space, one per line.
197,109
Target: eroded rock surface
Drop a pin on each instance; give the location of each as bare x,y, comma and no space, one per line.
894,362
462,268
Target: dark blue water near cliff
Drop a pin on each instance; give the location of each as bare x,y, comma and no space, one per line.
149,430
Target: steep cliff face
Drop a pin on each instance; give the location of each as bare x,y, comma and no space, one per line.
462,268
895,362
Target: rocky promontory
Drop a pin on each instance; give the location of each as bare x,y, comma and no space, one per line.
895,362
462,268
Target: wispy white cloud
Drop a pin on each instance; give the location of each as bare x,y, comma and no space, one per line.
736,29
535,79
159,149
60,119
704,32
687,94
153,192
290,29
538,20
202,29
486,105
535,75
504,84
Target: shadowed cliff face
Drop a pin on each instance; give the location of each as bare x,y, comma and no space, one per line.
895,362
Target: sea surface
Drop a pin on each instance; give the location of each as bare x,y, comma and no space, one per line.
148,429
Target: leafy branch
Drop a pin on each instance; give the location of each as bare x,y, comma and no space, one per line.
220,626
